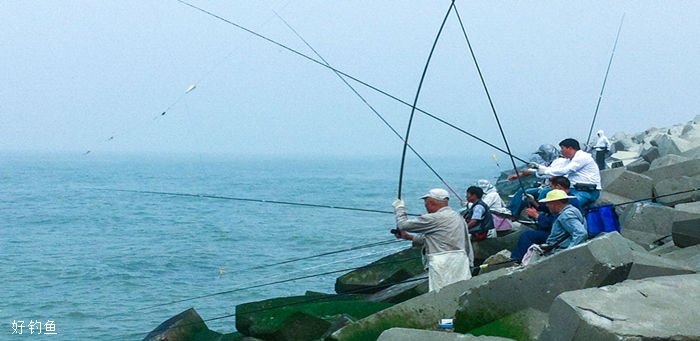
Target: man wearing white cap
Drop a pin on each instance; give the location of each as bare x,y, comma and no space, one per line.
569,229
444,238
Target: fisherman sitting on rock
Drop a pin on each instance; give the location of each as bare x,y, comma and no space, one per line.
444,238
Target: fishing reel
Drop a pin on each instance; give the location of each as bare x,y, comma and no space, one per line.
394,231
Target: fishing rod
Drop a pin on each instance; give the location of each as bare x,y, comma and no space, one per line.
605,79
362,98
221,197
374,88
279,282
488,95
415,99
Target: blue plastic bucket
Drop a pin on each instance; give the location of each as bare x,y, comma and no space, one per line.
602,219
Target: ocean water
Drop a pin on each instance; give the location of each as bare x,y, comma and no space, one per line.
95,261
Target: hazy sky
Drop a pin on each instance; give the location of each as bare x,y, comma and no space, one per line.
77,73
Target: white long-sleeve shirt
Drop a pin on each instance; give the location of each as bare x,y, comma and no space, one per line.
602,143
581,168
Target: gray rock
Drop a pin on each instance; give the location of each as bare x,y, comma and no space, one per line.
691,207
686,232
650,154
602,261
526,324
489,247
668,144
188,325
693,153
403,291
646,265
638,166
382,273
663,188
687,168
690,256
499,260
628,184
406,334
667,160
646,223
661,308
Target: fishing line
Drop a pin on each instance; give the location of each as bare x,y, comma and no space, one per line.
277,282
488,95
371,108
347,76
657,196
415,99
221,197
385,242
605,79
311,299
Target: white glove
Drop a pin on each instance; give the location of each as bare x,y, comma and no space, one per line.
398,203
533,165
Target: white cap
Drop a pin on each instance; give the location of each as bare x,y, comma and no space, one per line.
437,194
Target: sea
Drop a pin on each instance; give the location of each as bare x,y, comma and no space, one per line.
88,254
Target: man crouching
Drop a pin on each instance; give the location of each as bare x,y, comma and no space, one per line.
443,236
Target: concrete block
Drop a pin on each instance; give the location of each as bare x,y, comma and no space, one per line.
406,334
686,232
646,223
668,144
650,154
686,168
382,273
674,185
667,160
690,256
624,155
628,184
646,265
693,153
661,308
638,166
403,291
489,247
188,325
691,207
602,261
526,324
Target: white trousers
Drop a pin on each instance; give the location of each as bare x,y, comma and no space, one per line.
445,268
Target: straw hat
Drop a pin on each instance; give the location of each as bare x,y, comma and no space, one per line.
556,194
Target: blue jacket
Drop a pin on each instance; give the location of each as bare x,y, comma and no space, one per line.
546,218
570,227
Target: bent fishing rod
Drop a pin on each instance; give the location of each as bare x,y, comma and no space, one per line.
348,76
222,197
488,95
415,99
362,98
605,79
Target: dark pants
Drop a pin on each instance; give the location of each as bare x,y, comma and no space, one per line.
600,158
526,239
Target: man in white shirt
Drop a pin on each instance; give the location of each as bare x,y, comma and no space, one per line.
581,169
601,149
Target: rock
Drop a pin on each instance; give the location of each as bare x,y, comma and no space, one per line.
602,261
382,273
691,207
421,312
667,160
638,166
693,153
668,144
646,223
301,317
188,325
650,154
506,188
497,261
526,324
403,291
690,256
646,265
675,185
624,156
406,334
488,247
686,168
686,232
661,308
628,184
675,130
